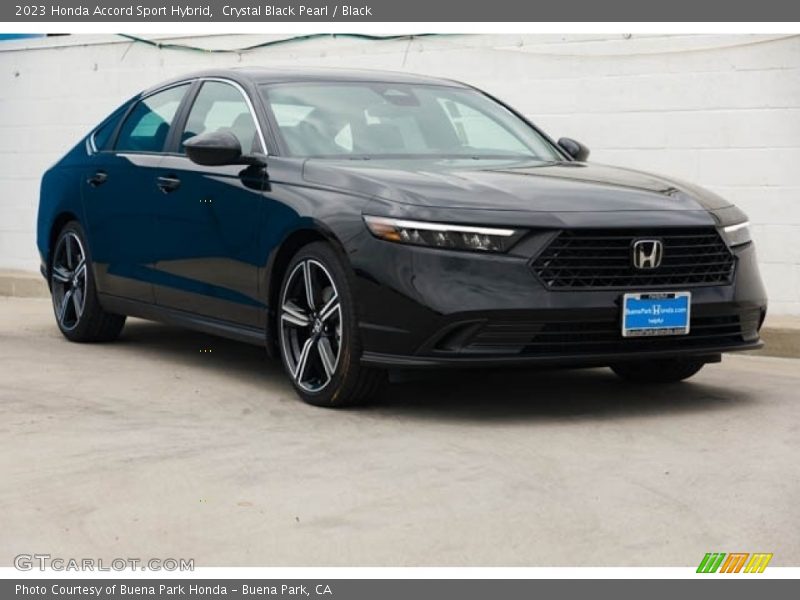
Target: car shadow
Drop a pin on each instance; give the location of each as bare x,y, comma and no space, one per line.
454,394
206,351
554,394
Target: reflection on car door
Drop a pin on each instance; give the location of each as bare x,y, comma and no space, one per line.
121,196
208,221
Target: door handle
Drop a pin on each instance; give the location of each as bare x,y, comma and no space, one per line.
168,184
98,178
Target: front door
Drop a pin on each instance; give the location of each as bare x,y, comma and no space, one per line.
209,218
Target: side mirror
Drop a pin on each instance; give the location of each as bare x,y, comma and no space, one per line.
574,148
217,148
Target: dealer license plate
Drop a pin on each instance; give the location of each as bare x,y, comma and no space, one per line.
661,313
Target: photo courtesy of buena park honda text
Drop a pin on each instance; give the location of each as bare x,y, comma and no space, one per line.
399,300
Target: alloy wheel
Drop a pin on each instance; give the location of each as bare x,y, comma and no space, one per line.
68,280
311,325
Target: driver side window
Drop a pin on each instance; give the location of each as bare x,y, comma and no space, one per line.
221,107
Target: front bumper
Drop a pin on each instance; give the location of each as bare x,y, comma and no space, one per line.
422,307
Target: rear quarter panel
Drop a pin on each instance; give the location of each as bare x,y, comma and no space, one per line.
59,196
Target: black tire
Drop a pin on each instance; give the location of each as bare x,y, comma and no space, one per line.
332,383
669,370
79,316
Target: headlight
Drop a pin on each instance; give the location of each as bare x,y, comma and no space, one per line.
737,235
441,235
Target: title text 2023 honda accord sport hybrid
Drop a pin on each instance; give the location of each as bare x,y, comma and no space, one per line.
356,221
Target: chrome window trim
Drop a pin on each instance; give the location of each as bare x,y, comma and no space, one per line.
262,140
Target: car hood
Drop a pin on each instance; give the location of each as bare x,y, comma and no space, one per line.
510,185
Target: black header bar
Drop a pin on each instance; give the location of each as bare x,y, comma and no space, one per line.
359,11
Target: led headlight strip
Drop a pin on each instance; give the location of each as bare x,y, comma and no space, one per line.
738,234
442,235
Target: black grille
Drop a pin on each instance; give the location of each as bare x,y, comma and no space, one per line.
602,336
592,259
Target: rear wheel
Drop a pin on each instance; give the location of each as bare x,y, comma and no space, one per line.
317,327
78,313
668,370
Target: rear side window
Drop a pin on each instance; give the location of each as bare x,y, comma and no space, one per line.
101,138
147,125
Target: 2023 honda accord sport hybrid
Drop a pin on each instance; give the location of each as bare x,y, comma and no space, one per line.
357,221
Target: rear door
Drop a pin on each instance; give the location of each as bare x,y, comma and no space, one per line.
209,221
121,195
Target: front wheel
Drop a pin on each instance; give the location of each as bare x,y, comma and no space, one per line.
317,328
669,370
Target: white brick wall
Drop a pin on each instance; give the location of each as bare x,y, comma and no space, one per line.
721,111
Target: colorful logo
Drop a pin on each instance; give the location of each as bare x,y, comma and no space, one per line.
735,562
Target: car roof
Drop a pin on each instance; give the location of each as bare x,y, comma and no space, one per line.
259,75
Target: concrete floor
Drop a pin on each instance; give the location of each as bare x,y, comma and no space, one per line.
149,447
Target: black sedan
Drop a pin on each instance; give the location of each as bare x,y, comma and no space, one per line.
357,221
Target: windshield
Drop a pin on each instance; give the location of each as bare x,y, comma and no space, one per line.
374,120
